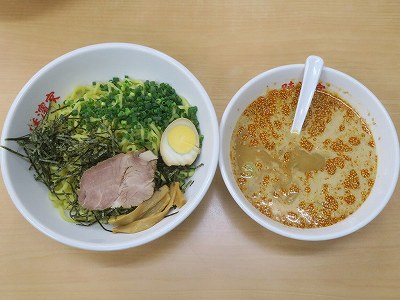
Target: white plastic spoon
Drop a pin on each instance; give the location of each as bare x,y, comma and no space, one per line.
312,72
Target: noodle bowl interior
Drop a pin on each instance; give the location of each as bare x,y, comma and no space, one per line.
310,180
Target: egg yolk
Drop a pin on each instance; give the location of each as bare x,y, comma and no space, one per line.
182,139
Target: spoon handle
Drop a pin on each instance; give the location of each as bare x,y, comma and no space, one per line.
312,72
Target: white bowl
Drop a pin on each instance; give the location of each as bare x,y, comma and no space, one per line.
365,103
80,67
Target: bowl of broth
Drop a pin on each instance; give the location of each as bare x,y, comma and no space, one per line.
328,181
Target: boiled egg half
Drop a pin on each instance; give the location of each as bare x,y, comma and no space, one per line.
179,144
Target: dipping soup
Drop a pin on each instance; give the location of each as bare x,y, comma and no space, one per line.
310,180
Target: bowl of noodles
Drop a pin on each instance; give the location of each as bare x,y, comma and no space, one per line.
109,146
328,181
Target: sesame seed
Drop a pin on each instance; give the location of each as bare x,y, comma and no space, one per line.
354,141
365,173
352,181
306,144
349,199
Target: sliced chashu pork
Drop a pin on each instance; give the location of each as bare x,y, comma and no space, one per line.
123,180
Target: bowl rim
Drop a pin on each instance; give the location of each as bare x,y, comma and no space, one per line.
179,218
275,226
